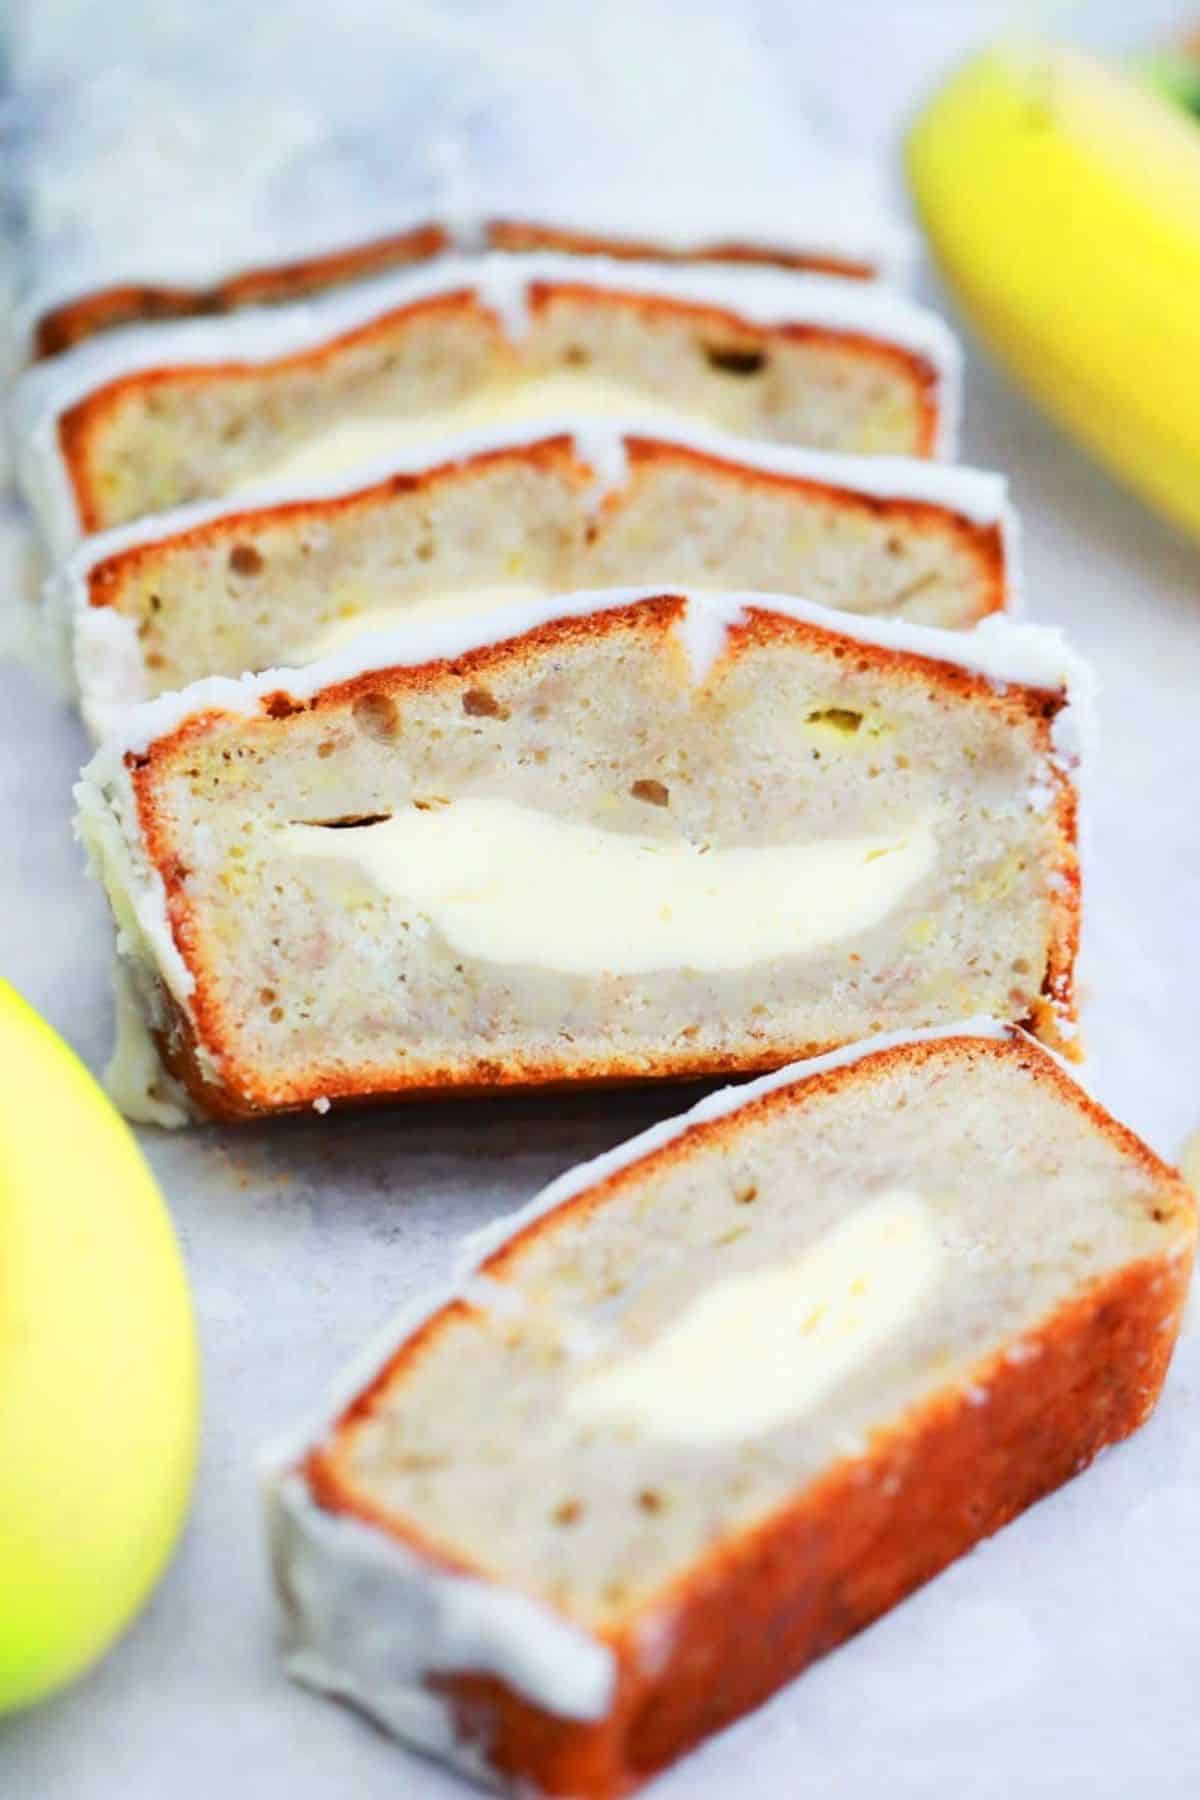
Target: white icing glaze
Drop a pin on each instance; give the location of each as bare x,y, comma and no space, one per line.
762,296
134,1077
110,674
703,631
107,825
366,1617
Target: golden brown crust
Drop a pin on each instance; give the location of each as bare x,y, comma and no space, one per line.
983,543
82,426
140,303
760,1608
518,235
136,303
204,1040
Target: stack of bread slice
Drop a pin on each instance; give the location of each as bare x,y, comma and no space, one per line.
579,662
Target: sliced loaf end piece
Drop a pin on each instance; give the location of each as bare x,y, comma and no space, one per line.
713,1403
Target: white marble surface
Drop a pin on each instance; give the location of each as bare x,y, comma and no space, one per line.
1059,1659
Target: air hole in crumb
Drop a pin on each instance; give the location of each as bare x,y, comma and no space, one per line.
654,793
746,1196
569,1513
347,821
840,718
650,1500
425,550
155,603
1159,1214
576,356
478,703
735,359
376,716
266,995
244,559
1020,966
276,1014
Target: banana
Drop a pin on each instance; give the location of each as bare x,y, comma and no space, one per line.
99,1377
1176,73
1062,202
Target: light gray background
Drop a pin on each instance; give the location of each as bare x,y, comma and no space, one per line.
1058,1660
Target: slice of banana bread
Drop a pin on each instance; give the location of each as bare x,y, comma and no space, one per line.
611,838
149,418
484,522
713,1403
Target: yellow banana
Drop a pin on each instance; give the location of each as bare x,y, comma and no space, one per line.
98,1366
1062,201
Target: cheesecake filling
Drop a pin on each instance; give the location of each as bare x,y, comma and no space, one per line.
511,884
556,395
360,612
755,1351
